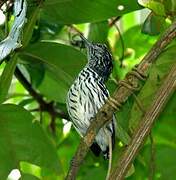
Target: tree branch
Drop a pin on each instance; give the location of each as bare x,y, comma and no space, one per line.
44,106
120,95
160,100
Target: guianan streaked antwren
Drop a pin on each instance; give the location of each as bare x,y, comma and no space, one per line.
88,94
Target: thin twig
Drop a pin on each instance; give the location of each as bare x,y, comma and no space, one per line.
121,94
110,155
160,100
74,30
113,21
122,44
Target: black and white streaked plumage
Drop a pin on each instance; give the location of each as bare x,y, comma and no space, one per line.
88,94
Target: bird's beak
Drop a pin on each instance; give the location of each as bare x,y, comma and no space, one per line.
87,43
88,46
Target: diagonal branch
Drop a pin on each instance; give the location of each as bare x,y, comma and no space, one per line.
44,106
160,100
120,95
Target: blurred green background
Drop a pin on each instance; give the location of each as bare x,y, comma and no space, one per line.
36,135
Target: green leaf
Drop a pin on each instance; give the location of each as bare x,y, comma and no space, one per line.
36,72
164,146
157,73
170,7
78,11
164,131
58,93
132,37
31,169
123,115
28,177
25,102
98,32
93,167
122,134
156,6
45,30
64,58
32,16
164,161
67,148
136,44
153,25
165,155
21,139
6,77
62,62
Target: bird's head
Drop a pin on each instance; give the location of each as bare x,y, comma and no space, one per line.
99,58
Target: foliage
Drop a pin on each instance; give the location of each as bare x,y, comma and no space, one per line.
38,140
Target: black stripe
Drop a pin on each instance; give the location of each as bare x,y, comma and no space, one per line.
71,91
103,89
94,74
90,91
73,100
99,97
73,108
80,100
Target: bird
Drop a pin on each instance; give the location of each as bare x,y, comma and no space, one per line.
88,94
